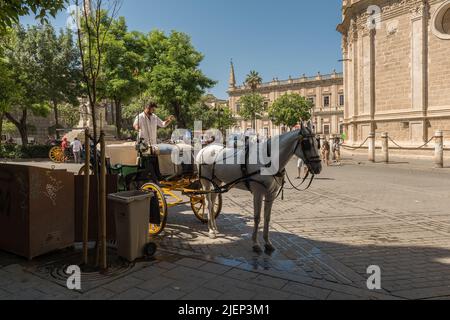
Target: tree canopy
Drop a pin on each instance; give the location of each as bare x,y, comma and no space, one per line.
253,80
174,77
290,109
252,107
12,10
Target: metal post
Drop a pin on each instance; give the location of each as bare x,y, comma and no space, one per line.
102,211
385,146
372,147
439,149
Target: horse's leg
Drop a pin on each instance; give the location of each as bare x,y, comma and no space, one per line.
211,214
257,206
268,204
207,186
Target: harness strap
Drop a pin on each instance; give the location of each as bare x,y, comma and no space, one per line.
244,167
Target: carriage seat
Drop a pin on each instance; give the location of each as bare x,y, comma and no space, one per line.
174,159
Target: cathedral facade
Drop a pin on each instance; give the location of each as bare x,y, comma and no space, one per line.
396,57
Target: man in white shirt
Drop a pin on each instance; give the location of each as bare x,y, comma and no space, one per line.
76,150
147,124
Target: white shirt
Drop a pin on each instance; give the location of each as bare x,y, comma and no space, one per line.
148,126
76,146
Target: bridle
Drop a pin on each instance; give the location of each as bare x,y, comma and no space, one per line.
305,143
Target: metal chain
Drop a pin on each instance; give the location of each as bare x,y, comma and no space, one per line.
356,148
415,148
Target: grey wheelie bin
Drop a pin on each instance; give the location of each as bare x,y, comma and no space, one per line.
132,214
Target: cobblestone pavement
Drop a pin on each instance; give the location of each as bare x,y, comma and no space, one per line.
354,216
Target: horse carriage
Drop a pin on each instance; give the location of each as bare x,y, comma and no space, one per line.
152,169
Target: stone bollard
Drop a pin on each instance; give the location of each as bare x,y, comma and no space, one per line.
439,149
385,146
372,147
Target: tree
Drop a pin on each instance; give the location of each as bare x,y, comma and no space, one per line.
123,67
61,73
11,10
253,80
174,77
25,72
252,107
290,109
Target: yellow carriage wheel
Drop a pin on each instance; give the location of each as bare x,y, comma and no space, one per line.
154,229
199,205
56,154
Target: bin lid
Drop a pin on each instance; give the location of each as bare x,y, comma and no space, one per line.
130,196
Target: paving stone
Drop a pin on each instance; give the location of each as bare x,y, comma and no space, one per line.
237,294
123,284
214,268
132,294
155,284
191,263
167,294
307,291
98,294
270,282
202,294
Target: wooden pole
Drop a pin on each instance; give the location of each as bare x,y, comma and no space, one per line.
86,190
102,211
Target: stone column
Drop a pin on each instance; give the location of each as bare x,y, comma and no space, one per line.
372,147
385,146
439,149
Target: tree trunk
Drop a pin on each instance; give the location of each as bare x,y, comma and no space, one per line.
21,125
1,126
118,107
178,115
55,111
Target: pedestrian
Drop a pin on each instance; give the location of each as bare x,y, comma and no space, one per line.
337,150
300,165
65,148
326,152
77,147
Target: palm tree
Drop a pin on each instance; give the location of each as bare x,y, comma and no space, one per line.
253,80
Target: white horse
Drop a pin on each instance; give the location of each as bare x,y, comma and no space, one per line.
215,172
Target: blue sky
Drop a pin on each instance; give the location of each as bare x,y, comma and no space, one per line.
275,38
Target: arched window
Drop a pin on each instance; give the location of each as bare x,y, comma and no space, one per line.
441,21
446,22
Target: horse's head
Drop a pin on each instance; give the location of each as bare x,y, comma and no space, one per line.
307,149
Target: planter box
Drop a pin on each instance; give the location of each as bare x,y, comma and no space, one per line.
36,210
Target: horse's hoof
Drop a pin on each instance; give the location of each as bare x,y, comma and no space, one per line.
257,249
212,235
269,249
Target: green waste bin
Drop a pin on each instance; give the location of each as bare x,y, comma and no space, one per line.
131,214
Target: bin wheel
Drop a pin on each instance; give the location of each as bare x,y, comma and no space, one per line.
199,206
150,249
154,229
82,169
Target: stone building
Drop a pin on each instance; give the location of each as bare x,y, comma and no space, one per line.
396,68
325,91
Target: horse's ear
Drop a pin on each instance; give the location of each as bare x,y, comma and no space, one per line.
301,125
310,124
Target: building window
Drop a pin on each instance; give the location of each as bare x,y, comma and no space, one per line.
326,129
341,100
326,101
341,129
238,108
266,132
312,100
441,21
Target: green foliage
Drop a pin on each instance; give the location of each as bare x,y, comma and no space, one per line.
290,109
29,152
174,77
253,80
252,106
11,10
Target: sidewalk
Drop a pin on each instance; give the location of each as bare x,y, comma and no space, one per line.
398,159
